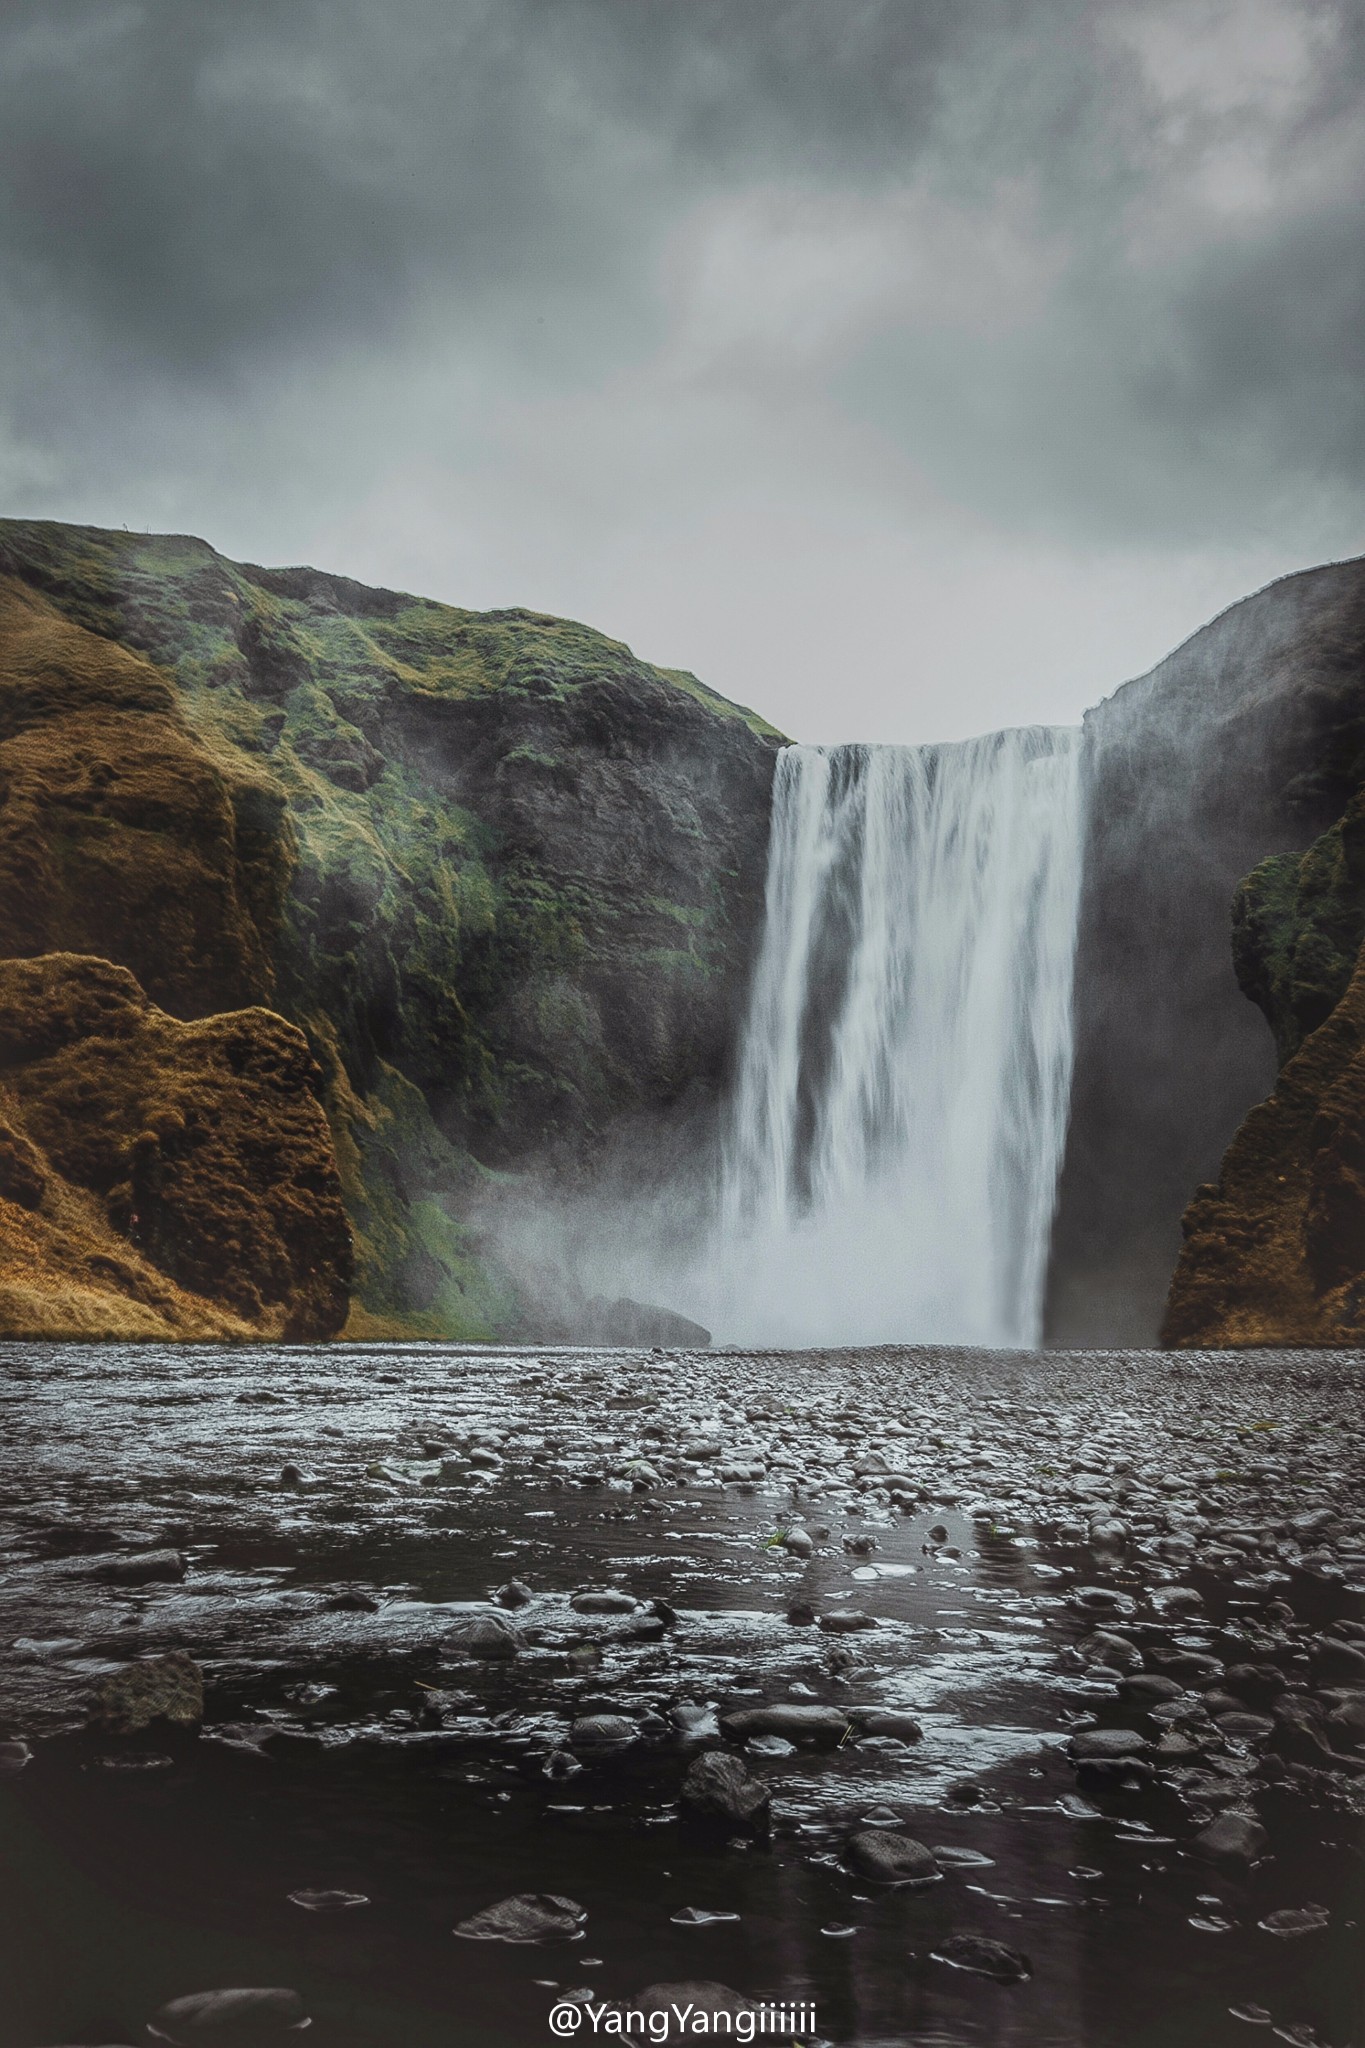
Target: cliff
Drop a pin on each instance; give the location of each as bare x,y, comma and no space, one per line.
1274,1249
502,875
1246,741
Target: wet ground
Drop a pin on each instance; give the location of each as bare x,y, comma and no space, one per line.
975,1564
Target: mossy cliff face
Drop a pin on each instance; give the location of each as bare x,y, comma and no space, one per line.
160,1178
504,875
1247,740
1297,925
1274,1249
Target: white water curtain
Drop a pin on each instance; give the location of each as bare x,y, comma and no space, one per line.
891,1163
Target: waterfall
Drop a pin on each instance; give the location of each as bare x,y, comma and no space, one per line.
891,1162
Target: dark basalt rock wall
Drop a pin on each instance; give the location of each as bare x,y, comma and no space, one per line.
1274,1249
1244,743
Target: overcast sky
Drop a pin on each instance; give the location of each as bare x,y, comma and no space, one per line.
904,367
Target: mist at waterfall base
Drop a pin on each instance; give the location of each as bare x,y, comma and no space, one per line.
886,1167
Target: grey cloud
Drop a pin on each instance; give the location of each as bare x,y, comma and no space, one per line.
204,177
212,211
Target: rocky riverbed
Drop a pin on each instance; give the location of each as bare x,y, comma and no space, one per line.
964,1697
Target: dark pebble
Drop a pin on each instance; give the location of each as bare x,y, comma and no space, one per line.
987,1958
890,1858
237,2018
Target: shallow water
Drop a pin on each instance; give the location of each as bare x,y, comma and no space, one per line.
359,1750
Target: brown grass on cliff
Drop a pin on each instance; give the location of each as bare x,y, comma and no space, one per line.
159,1178
1274,1251
120,833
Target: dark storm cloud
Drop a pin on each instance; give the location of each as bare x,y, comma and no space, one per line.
206,178
1113,249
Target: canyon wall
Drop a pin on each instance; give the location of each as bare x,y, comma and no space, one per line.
501,878
1245,743
1274,1249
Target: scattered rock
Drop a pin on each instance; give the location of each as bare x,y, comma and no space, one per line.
352,1600
887,1721
1115,1652
1173,1601
847,1621
1102,1600
1240,1726
824,1726
695,1723
145,1568
669,2001
1300,1734
14,1755
718,1787
637,1628
156,1693
986,1958
486,1635
1291,1921
1108,1744
1195,1668
1149,1688
604,1600
1233,1838
1333,1662
327,1902
236,2018
603,1732
1348,1718
890,1858
527,1917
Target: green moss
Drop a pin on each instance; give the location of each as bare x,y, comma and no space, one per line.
1298,925
712,699
691,915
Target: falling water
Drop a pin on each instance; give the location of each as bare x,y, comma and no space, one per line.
892,1158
